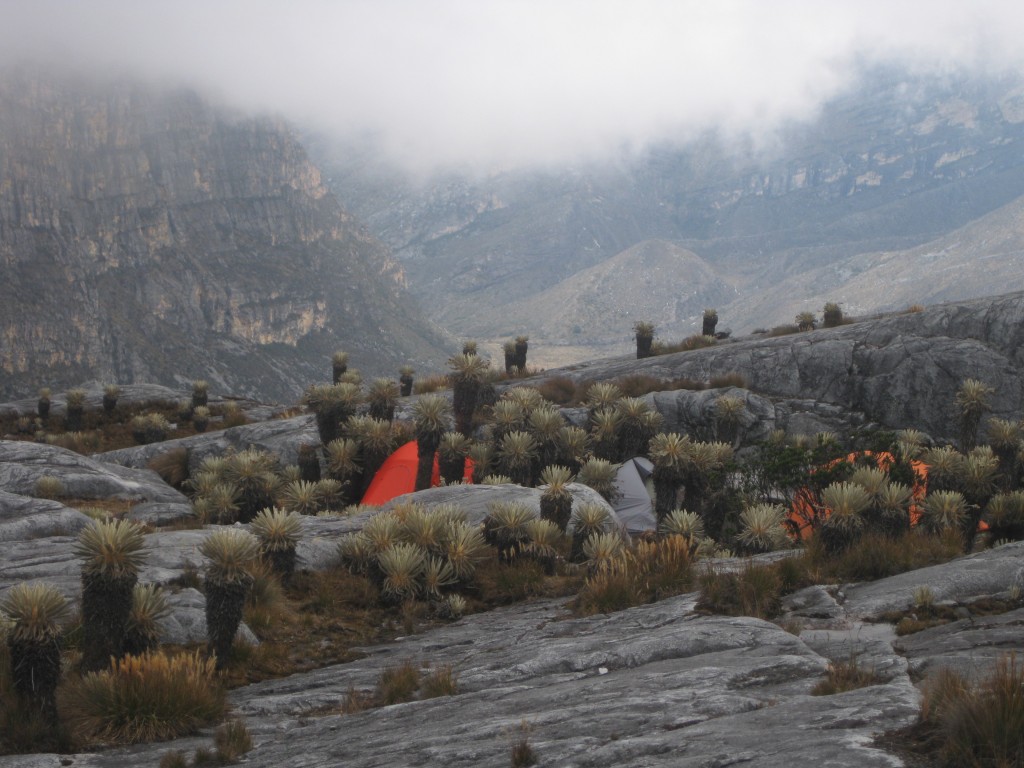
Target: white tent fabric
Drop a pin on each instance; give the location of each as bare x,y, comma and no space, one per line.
634,502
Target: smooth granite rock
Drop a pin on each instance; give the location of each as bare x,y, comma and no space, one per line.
281,437
650,686
989,572
23,463
898,371
655,685
24,518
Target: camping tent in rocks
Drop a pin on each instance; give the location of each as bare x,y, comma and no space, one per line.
634,502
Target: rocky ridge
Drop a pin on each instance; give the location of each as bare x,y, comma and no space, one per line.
894,372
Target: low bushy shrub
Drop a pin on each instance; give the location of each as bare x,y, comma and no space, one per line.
151,697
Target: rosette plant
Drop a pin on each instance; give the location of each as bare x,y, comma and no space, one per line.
34,644
231,553
112,552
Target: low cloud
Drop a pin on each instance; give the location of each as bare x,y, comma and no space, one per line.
489,85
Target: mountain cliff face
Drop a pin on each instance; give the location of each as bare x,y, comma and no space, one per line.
897,163
145,236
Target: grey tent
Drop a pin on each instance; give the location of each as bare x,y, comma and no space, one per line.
634,502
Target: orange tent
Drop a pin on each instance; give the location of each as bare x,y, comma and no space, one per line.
804,516
397,475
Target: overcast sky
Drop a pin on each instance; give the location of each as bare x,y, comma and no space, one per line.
498,84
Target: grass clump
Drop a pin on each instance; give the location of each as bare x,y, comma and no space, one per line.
49,487
523,754
151,697
876,556
964,725
441,681
644,573
398,684
232,740
845,676
756,590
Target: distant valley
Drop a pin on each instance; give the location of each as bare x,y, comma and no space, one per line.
905,191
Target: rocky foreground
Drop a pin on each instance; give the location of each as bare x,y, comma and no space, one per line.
655,685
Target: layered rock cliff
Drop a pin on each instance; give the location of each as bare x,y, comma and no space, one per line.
147,236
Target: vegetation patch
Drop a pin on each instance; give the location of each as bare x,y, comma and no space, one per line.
845,676
964,725
151,697
755,590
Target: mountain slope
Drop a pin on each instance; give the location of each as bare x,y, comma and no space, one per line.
899,161
968,263
146,236
653,279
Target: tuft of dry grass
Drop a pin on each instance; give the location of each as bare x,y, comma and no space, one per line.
441,681
754,591
175,758
232,740
648,571
151,697
875,556
397,684
431,384
172,466
560,390
522,754
975,725
845,676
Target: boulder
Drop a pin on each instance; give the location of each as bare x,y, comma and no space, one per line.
23,463
23,518
281,437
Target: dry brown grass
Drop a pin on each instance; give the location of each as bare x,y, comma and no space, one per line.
144,698
754,591
970,726
845,676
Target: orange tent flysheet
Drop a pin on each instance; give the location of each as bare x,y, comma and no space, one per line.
397,475
803,511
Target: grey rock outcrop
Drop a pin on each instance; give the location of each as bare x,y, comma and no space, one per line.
23,463
281,437
655,685
23,518
897,372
